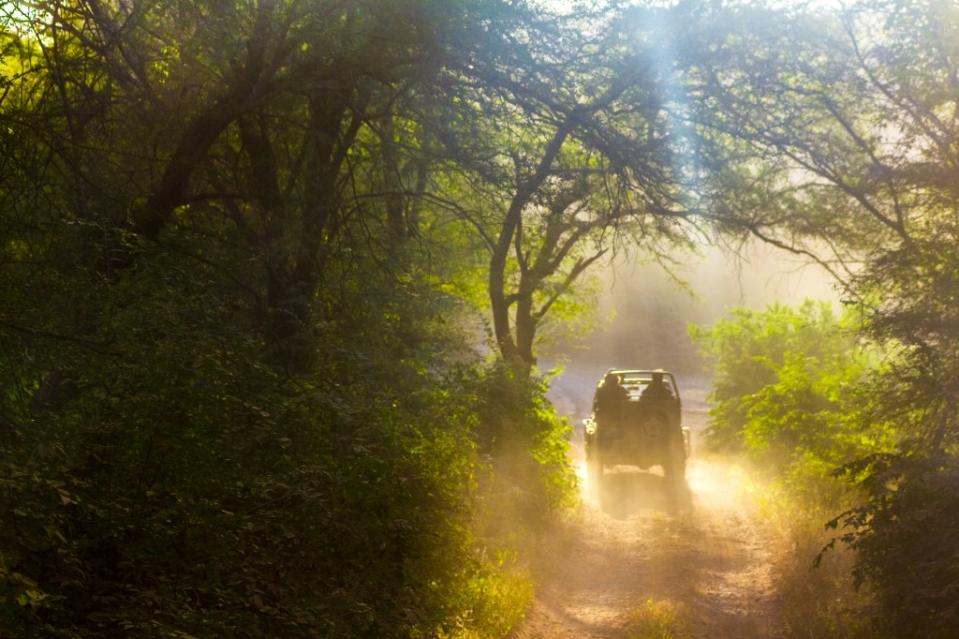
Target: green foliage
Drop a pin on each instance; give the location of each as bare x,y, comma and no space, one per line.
900,530
188,488
493,602
533,480
787,388
243,247
660,619
835,150
903,535
792,392
239,388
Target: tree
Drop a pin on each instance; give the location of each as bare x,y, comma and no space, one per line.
751,353
570,177
231,402
832,137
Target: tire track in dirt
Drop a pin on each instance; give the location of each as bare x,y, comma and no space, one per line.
711,563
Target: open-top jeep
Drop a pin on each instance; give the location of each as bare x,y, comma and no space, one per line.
644,429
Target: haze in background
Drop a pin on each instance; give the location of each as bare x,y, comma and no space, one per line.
643,316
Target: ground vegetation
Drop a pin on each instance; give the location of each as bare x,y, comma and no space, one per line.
273,276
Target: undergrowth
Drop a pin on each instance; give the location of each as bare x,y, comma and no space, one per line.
660,619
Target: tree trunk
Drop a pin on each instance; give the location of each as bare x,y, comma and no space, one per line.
392,185
500,307
525,329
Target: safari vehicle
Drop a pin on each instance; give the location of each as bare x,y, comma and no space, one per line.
645,434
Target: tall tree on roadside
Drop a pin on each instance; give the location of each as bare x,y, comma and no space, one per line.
583,157
834,136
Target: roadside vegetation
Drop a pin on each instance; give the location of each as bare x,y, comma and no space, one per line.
660,619
274,275
789,401
801,395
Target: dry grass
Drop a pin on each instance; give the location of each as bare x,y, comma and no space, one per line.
660,619
814,602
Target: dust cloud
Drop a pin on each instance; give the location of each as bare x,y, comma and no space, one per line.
642,316
634,565
638,558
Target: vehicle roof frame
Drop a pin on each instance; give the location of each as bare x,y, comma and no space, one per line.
648,371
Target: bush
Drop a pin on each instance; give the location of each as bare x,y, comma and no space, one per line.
660,619
793,394
532,482
789,392
905,537
178,485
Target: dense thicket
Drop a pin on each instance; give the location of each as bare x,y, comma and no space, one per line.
847,124
791,399
248,251
788,391
247,248
240,391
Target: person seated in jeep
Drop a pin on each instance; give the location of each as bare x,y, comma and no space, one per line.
658,398
610,401
656,391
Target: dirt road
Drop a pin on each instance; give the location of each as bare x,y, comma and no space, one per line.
634,568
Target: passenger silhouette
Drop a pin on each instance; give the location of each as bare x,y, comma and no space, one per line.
611,398
656,390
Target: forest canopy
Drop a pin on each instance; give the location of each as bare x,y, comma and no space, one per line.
274,276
